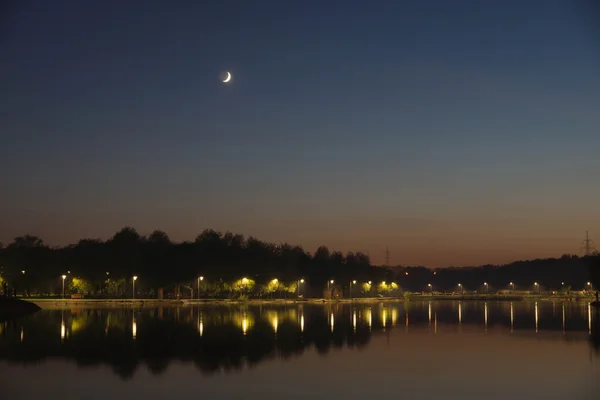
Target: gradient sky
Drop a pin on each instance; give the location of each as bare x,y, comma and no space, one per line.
455,133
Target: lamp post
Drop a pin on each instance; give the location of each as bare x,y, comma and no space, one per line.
430,288
299,282
512,284
461,288
329,282
352,283
63,285
485,284
133,282
200,278
537,286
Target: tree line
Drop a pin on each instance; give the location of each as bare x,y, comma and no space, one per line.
221,259
226,264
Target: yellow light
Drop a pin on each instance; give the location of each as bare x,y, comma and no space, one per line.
354,282
331,281
369,283
406,273
244,280
64,277
134,329
536,317
332,322
62,330
201,278
135,277
383,283
23,272
486,315
301,280
535,283
275,280
244,324
275,323
302,323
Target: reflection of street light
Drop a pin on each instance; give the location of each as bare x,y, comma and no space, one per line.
134,279
63,285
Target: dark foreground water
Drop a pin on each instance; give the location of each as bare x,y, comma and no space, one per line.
425,350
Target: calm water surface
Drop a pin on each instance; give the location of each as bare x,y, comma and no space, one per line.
450,349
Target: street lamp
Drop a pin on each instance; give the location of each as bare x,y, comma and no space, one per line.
329,282
299,282
461,288
352,283
537,286
590,285
63,285
23,272
512,284
486,286
200,278
430,288
134,279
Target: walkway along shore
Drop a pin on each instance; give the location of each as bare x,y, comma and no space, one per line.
54,302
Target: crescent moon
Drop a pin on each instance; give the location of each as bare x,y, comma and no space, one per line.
228,78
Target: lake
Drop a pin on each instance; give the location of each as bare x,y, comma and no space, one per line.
418,350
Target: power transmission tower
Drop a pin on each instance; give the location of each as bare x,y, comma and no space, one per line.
587,244
387,257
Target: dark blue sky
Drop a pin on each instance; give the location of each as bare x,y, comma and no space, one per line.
451,131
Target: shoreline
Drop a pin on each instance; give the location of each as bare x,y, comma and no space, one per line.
45,302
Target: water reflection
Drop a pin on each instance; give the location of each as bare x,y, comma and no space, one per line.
231,338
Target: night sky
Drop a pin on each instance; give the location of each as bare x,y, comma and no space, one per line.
454,132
